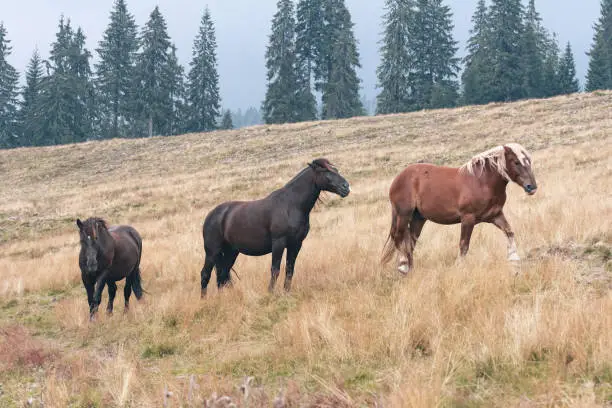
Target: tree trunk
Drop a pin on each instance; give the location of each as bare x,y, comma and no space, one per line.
150,126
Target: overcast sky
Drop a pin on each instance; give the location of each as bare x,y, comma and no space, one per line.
243,26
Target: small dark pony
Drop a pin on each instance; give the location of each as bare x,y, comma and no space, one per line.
269,225
109,254
473,193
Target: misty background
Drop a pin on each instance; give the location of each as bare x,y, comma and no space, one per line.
242,29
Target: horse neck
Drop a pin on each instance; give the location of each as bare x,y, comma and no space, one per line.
106,239
493,179
303,191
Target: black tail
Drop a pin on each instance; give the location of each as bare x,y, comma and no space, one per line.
136,284
136,280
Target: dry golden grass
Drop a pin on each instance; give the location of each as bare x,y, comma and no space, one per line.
479,332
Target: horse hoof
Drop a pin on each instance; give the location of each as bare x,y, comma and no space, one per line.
513,257
403,269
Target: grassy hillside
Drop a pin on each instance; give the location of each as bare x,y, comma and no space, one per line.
480,332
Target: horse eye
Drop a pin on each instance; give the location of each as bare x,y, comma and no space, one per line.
518,163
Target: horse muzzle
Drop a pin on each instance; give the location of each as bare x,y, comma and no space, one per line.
530,189
344,190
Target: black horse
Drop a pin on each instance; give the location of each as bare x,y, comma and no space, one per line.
109,254
279,221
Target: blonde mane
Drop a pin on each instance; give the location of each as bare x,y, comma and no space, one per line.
497,160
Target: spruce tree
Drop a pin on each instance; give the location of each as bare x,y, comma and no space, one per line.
252,116
81,88
337,64
305,103
396,63
152,72
309,32
9,91
280,104
478,73
203,80
534,53
568,83
115,72
433,50
177,95
599,75
506,34
550,76
226,121
66,104
30,123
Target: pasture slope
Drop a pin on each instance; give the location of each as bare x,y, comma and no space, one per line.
352,333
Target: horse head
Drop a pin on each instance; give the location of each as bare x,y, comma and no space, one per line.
327,178
92,232
518,167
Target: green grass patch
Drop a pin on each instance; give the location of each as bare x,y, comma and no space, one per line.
159,350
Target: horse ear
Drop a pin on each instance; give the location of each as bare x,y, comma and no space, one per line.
79,223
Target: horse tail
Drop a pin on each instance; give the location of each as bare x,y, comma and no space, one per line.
136,279
137,284
389,247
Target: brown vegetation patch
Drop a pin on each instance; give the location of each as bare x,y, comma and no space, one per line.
19,350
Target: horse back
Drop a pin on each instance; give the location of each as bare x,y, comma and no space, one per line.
420,178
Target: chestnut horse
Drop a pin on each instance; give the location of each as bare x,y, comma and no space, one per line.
275,223
109,254
473,193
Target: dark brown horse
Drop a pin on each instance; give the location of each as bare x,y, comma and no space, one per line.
473,193
270,225
109,254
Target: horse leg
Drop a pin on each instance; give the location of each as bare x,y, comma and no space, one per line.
292,253
501,223
278,247
97,296
224,266
416,226
89,287
467,226
209,264
127,292
402,242
112,291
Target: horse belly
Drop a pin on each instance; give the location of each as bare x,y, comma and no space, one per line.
439,203
251,243
255,252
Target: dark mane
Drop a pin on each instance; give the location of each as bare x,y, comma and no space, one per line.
324,163
297,176
94,220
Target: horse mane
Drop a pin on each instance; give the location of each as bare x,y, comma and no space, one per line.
298,175
321,200
98,220
496,158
